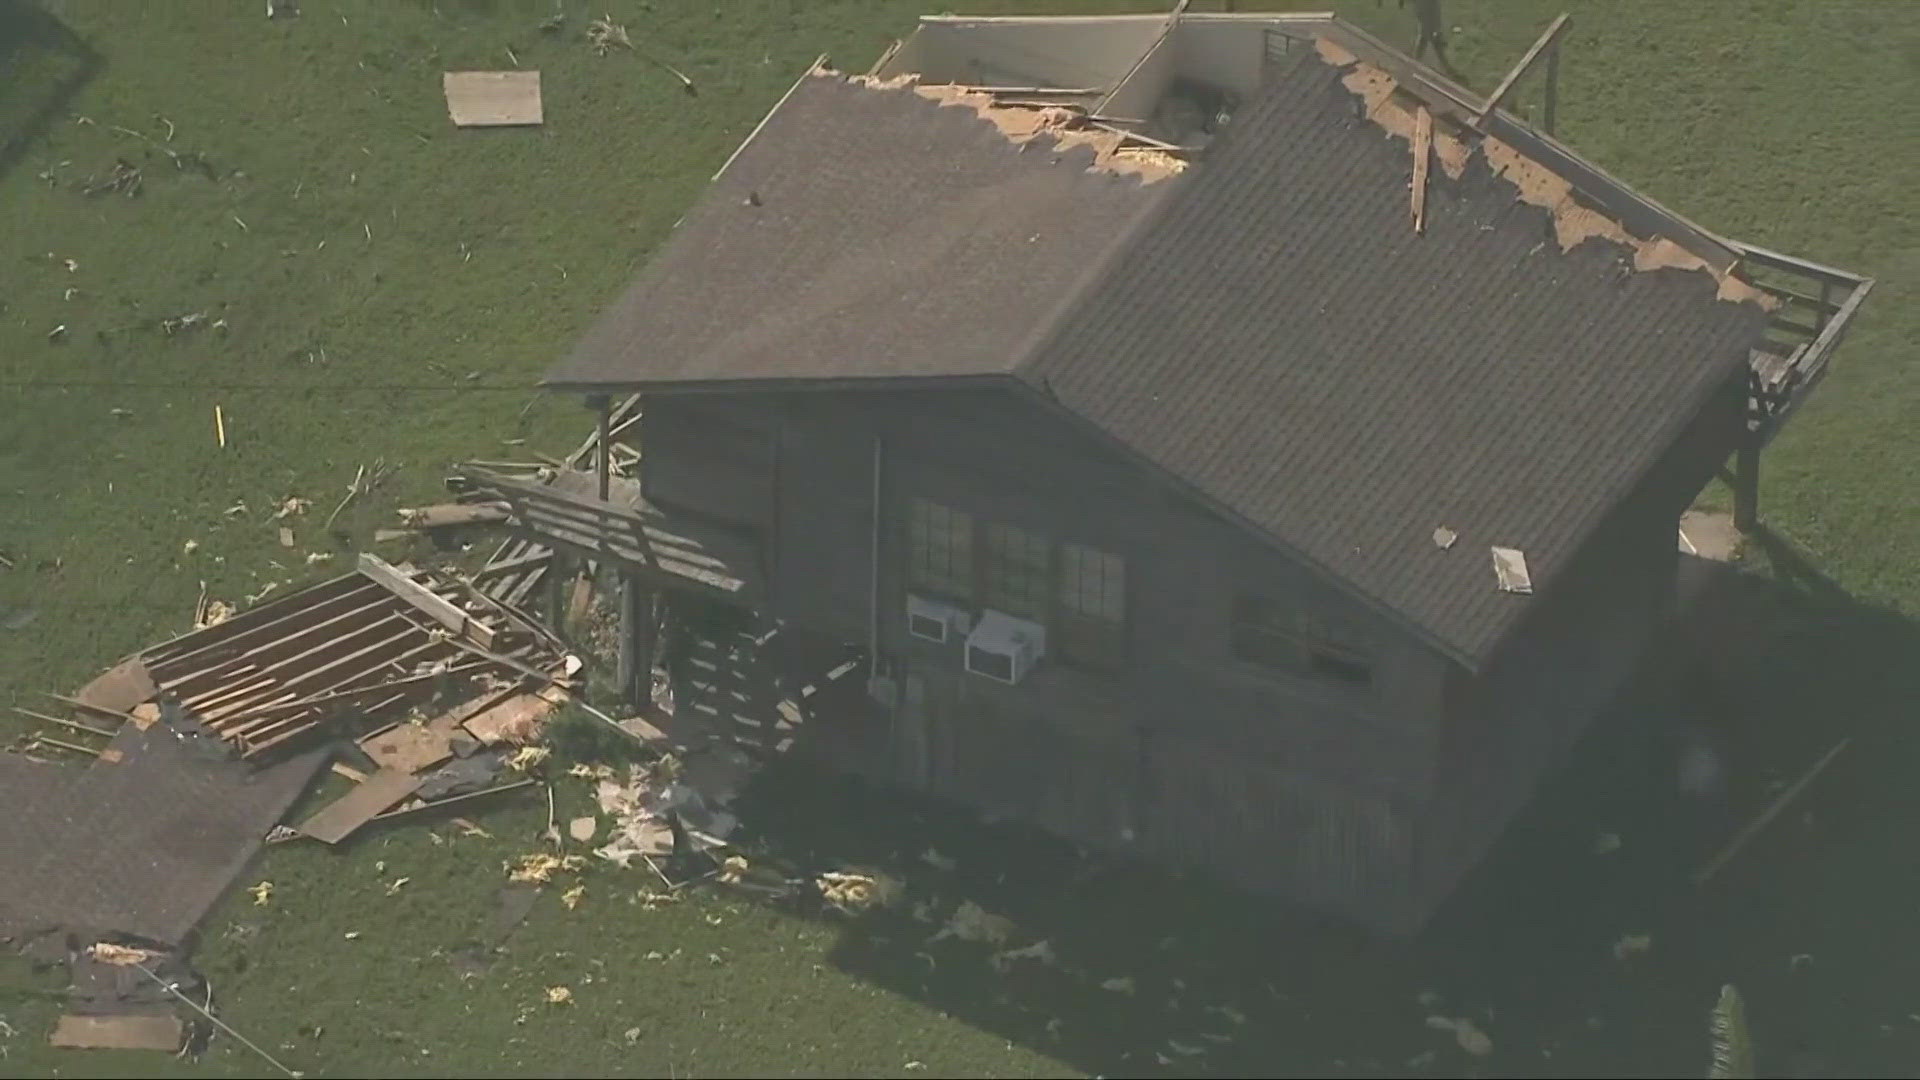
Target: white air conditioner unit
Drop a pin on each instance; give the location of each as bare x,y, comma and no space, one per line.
1004,648
936,620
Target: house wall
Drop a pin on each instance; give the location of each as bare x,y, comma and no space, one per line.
1282,783
1511,727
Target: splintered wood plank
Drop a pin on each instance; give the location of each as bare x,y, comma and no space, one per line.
1422,155
118,1033
338,819
119,688
492,98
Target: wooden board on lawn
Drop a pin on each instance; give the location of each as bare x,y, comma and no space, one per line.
118,1033
338,819
493,98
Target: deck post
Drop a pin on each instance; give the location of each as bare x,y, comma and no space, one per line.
603,451
636,643
560,570
1746,485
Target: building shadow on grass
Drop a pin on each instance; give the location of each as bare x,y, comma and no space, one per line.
1582,946
43,64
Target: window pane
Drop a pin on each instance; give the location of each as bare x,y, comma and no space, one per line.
1016,571
1092,583
1092,629
939,549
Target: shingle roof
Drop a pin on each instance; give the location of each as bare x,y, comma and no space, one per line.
862,233
1280,338
1267,327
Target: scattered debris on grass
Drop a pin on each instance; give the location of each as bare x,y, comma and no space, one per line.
213,613
604,35
854,892
583,828
1465,1032
1120,984
1632,945
292,506
573,896
363,482
262,893
559,995
106,952
123,179
971,922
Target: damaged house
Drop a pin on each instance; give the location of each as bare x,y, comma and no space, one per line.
1220,438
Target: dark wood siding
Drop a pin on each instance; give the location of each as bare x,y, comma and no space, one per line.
1509,728
711,455
1307,783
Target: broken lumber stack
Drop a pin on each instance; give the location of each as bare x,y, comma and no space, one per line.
377,643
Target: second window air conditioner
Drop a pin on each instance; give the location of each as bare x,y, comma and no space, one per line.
1003,648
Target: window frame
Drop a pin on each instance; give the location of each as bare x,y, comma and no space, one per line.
1012,578
1090,639
1314,647
957,576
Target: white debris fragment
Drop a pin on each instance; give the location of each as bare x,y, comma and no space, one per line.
1510,570
1465,1032
1444,537
1632,945
1040,951
971,922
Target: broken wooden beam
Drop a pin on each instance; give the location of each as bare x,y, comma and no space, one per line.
1422,156
451,800
435,607
1526,61
73,724
453,515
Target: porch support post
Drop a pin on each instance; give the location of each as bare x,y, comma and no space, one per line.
635,673
1746,486
560,571
603,459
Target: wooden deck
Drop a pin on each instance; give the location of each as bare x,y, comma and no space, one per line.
672,550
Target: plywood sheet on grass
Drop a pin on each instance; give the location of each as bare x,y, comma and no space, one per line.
339,818
493,98
118,1033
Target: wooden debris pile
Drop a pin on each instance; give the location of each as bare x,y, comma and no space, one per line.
375,648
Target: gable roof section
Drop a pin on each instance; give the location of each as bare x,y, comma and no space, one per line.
1280,338
1266,328
863,233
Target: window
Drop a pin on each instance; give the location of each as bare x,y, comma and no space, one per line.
940,549
1093,607
1016,571
1288,639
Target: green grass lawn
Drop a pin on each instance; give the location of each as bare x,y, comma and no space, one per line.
387,287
